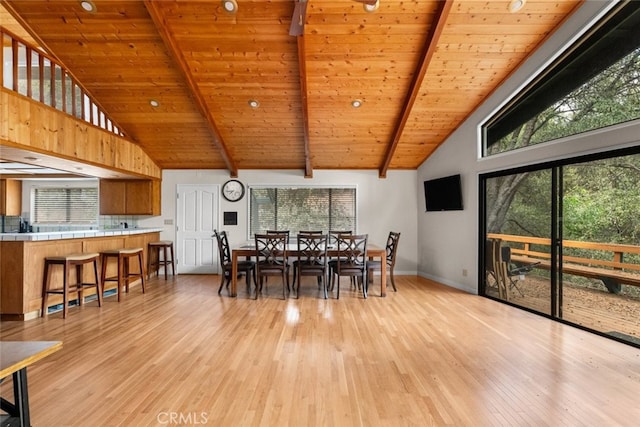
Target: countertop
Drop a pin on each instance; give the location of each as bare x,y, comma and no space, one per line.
57,235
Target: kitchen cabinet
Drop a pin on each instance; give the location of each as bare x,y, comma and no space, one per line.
129,197
10,197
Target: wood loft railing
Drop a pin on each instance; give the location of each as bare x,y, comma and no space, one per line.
30,72
606,261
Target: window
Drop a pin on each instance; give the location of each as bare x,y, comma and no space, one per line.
66,205
594,84
295,209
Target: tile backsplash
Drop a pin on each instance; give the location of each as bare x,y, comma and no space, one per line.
11,224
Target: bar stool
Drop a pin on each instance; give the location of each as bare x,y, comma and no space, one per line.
124,276
67,262
153,257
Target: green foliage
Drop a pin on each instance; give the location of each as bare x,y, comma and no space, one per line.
600,199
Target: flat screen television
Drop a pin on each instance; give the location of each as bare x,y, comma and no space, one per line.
443,194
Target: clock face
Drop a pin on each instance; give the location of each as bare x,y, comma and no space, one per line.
233,190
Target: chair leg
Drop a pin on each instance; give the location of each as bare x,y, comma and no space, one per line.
103,270
142,272
295,274
149,256
393,282
65,289
98,288
173,266
323,281
285,283
120,275
365,284
79,286
166,265
222,276
45,282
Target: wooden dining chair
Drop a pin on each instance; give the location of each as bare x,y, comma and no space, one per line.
312,260
294,264
272,259
391,251
247,267
333,244
351,261
288,233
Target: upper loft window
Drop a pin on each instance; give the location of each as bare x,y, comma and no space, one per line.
594,84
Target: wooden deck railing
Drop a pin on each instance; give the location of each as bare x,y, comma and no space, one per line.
613,270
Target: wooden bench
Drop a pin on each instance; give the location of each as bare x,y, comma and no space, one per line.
613,272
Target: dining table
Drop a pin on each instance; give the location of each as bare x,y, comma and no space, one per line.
15,357
249,250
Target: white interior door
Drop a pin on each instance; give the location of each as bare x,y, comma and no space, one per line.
196,216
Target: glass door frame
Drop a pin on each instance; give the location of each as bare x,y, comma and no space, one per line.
556,229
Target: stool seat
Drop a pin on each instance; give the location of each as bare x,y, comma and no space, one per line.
124,276
132,251
153,257
161,243
67,262
72,257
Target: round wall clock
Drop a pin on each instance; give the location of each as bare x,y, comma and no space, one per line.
233,190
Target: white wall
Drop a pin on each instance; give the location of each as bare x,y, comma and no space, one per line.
448,241
384,205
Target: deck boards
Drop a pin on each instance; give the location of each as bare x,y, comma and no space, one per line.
425,355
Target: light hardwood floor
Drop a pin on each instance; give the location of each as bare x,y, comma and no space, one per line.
426,355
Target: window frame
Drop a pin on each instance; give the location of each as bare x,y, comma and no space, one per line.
546,68
67,185
299,187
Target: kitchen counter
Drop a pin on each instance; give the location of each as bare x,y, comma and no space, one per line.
22,264
56,235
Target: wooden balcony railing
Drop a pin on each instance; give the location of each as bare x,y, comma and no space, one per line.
30,72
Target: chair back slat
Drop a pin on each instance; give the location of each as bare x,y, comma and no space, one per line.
271,249
285,232
392,248
334,234
352,251
312,249
223,247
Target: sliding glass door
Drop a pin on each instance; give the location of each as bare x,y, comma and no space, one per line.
564,240
601,246
518,218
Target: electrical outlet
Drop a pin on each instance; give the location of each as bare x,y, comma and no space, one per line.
168,222
464,272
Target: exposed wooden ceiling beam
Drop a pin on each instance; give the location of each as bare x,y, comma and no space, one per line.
440,19
177,54
308,167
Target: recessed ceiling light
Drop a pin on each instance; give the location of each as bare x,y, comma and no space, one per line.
516,5
356,103
230,6
370,8
88,5
253,103
154,103
32,159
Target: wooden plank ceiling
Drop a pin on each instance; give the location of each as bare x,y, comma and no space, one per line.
419,68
